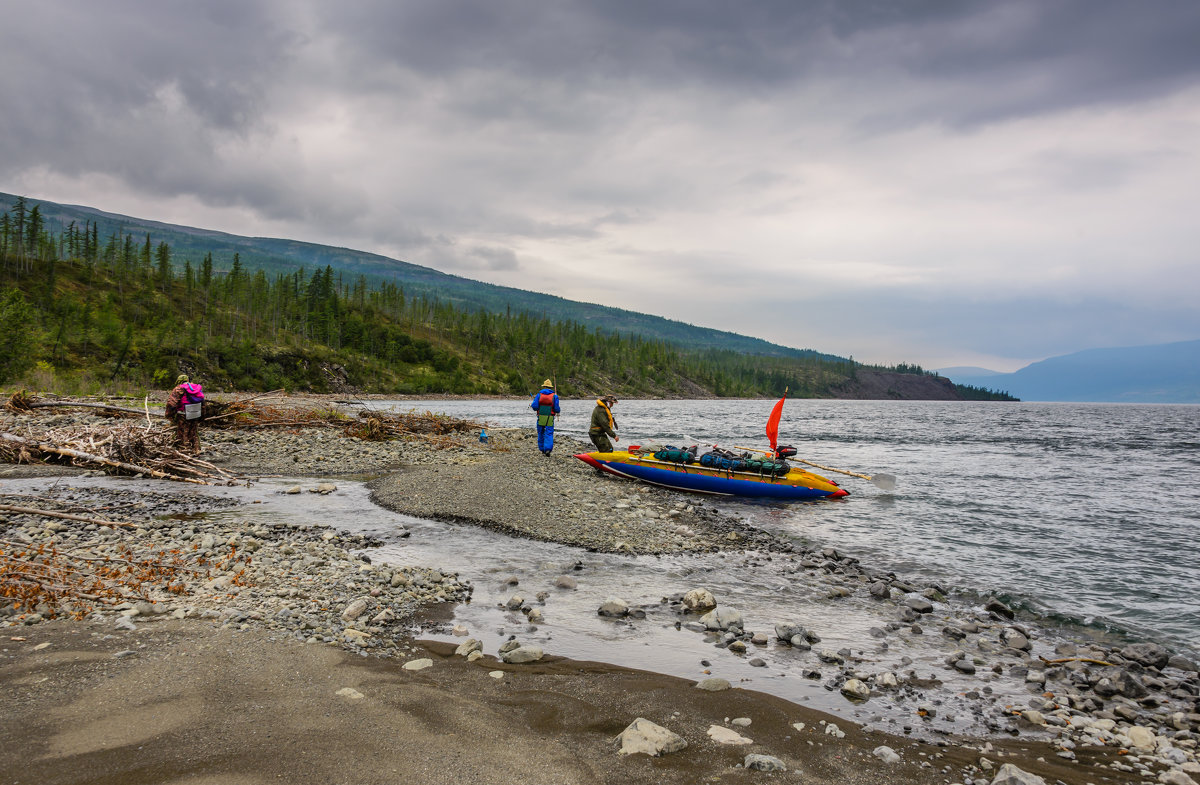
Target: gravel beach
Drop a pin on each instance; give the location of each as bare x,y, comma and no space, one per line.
254,653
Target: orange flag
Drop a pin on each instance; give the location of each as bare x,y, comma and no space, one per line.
773,421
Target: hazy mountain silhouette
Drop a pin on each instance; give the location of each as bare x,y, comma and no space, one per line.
1161,373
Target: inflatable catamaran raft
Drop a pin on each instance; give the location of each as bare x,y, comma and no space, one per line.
742,471
738,476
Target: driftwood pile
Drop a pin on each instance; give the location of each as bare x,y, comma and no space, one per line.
141,442
121,448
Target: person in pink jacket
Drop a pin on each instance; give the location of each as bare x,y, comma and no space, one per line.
185,405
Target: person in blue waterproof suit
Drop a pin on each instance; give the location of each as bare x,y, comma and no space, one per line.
545,403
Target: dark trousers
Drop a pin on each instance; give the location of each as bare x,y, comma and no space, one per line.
187,434
600,439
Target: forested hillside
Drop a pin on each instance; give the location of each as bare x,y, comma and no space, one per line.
275,256
84,312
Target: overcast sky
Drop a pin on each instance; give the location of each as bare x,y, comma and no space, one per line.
944,183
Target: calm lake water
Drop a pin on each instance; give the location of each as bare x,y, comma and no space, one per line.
1086,513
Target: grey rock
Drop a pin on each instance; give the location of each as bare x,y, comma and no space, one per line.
785,631
647,738
614,607
880,590
468,646
354,609
919,604
699,600
1182,663
722,619
1011,775
1149,654
1120,682
523,654
713,684
759,762
886,754
1015,639
856,689
997,607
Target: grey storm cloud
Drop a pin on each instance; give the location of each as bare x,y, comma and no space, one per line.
890,152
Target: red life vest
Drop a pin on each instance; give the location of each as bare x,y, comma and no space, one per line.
545,408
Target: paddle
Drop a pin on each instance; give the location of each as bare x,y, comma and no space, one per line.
885,482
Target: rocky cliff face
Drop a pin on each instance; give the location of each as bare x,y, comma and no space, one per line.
884,385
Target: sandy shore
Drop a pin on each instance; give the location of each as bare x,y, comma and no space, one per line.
226,688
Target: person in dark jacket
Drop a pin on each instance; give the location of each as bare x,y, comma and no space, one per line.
545,403
187,430
603,425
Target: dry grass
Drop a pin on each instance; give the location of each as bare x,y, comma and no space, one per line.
42,577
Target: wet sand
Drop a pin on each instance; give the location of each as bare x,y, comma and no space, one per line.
184,701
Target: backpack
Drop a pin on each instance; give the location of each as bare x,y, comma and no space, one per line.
545,408
192,401
764,466
676,455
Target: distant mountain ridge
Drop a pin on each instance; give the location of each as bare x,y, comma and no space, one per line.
285,256
1160,373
